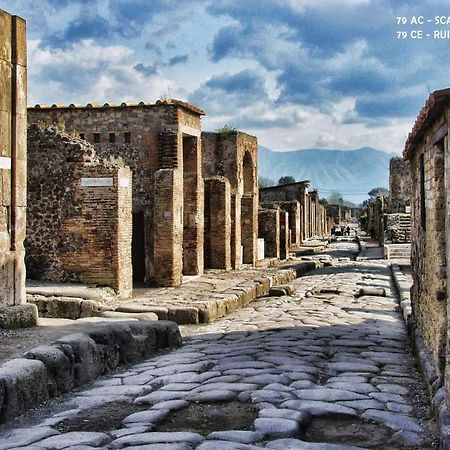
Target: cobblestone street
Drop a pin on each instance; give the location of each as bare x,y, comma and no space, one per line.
327,367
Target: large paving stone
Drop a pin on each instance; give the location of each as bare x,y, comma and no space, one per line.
393,420
74,438
276,427
326,394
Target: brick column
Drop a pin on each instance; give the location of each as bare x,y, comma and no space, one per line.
193,215
284,235
249,228
168,228
217,223
236,255
269,230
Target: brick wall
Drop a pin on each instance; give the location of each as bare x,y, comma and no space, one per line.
399,185
428,240
149,137
269,230
234,155
217,223
79,215
284,234
13,158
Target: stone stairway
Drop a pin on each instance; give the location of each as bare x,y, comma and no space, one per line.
397,251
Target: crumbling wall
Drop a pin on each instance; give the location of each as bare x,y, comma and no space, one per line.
79,215
428,241
399,185
234,155
398,228
13,160
150,138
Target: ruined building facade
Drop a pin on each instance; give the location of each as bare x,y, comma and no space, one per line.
13,169
398,216
428,155
161,143
79,215
306,216
233,157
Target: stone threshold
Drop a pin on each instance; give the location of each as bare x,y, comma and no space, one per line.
76,359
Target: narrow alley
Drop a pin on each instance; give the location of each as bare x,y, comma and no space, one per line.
327,366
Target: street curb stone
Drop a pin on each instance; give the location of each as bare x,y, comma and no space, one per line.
77,359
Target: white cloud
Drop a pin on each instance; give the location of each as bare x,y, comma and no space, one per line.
86,72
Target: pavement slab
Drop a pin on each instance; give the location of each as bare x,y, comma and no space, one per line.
259,377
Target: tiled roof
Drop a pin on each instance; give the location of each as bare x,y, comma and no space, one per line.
168,101
433,107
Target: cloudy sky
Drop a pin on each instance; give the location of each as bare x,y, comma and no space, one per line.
296,73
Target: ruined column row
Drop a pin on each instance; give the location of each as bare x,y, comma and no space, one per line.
289,215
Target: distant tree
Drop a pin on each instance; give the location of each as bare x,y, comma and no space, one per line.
378,192
227,128
286,180
265,182
335,198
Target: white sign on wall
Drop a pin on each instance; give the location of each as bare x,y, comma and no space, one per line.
5,162
97,182
124,182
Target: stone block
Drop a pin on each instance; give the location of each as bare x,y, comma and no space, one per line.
23,384
60,372
5,133
183,315
18,316
20,186
5,36
84,355
19,53
5,86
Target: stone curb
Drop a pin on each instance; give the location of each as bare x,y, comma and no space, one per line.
76,359
199,311
434,384
224,303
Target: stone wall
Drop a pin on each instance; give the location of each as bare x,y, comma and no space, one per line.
399,185
308,219
234,155
13,162
217,223
150,138
427,152
79,215
269,230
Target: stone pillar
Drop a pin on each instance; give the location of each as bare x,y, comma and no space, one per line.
249,228
168,228
269,230
284,235
192,192
236,252
13,171
217,223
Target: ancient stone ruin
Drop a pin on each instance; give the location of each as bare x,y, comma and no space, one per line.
307,217
426,150
79,214
233,155
13,171
161,145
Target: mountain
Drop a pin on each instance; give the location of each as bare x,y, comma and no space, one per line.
352,173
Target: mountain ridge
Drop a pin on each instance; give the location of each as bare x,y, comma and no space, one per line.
352,173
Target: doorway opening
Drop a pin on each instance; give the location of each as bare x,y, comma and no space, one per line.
138,248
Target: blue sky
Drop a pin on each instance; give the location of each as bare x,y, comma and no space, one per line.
296,73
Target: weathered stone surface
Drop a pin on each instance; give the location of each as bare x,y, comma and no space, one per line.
23,384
